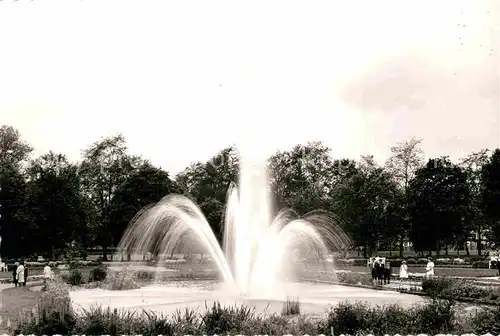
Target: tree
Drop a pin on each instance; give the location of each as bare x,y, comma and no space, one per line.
472,165
207,185
302,178
13,149
406,158
106,165
439,201
490,194
14,226
14,152
145,186
364,201
54,204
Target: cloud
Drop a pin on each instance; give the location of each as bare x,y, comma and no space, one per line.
454,108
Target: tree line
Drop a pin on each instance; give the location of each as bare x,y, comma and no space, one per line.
49,205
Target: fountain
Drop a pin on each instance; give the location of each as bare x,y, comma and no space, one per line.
257,250
257,260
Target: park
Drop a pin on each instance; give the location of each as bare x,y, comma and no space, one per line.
215,250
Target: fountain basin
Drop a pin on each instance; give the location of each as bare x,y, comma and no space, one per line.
315,298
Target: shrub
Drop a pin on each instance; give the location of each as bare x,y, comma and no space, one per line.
472,259
75,277
98,274
52,315
73,264
352,262
347,318
392,319
486,321
120,281
461,289
145,275
458,289
435,287
291,307
354,278
218,320
104,321
435,317
396,262
480,264
351,319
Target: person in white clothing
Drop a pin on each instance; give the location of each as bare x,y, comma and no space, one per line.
403,273
429,269
47,273
20,275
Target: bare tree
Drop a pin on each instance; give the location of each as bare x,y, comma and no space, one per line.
406,158
472,165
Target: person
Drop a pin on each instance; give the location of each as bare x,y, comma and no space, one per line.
25,274
387,272
429,269
378,271
14,273
403,273
381,271
47,273
498,265
372,267
20,275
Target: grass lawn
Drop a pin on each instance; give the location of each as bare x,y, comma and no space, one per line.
31,271
13,302
39,271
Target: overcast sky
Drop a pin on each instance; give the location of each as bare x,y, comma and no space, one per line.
183,79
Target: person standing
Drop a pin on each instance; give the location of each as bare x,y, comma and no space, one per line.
25,274
403,273
429,269
14,273
498,265
20,275
372,269
378,271
47,273
387,272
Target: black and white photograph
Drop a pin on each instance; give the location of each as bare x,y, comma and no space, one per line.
249,167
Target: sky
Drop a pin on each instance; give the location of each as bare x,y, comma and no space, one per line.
184,79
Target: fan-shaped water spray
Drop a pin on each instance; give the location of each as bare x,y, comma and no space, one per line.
258,252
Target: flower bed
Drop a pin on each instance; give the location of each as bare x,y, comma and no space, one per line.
460,289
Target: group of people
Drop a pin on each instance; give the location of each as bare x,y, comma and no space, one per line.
403,270
381,271
20,274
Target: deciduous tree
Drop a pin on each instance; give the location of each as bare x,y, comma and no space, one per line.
54,204
490,202
106,165
145,186
406,158
439,205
